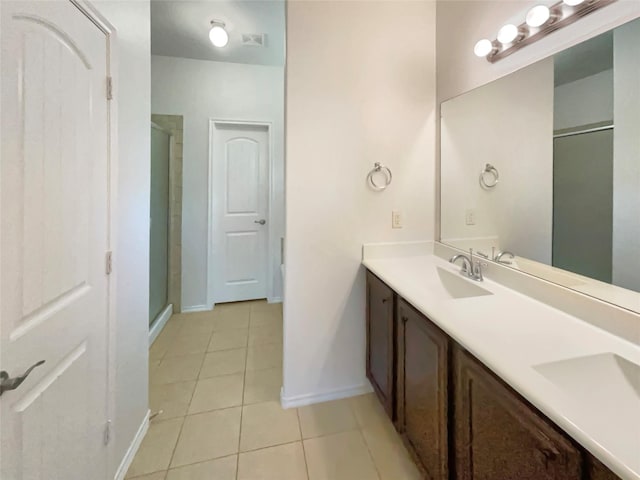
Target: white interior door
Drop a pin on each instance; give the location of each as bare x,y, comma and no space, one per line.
53,240
240,166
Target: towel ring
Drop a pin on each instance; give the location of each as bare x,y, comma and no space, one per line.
378,167
491,182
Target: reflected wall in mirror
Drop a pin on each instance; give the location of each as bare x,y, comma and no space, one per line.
564,137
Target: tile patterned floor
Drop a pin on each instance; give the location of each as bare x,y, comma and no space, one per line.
216,376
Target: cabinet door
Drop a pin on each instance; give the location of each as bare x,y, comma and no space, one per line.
498,436
380,340
422,392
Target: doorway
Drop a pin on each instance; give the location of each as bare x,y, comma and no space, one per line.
239,220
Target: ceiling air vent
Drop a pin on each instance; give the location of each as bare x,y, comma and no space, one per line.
253,39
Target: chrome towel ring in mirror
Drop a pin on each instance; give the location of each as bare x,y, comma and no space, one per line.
493,177
378,167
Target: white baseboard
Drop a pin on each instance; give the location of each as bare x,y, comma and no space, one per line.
311,398
159,323
196,308
274,300
133,448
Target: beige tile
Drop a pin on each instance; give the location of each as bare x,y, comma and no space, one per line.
266,319
224,362
368,410
173,399
260,357
263,306
231,319
326,418
157,447
389,454
233,307
152,476
266,425
217,392
262,385
228,339
284,462
219,469
188,344
342,456
265,335
207,436
177,369
196,326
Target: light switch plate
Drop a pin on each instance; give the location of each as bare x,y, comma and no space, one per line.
396,219
470,217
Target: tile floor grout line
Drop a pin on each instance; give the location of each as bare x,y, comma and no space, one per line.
244,379
304,451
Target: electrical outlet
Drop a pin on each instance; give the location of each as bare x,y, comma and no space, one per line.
396,219
470,217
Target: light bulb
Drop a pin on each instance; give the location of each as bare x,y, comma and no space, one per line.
218,35
573,3
538,16
507,34
483,48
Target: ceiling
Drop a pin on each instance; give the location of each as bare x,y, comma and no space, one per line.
585,59
180,28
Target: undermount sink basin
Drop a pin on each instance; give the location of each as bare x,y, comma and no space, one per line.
454,286
608,383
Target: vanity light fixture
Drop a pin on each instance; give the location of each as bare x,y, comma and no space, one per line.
508,34
538,16
218,35
540,21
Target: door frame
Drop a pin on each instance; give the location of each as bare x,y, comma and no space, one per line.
211,294
93,13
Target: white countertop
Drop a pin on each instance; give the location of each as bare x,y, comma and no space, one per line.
511,333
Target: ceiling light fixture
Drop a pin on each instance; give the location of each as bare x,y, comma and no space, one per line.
540,21
218,35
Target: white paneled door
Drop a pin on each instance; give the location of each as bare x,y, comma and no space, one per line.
53,241
240,196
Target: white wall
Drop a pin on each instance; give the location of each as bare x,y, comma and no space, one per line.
461,23
200,90
131,252
508,124
584,102
626,163
353,98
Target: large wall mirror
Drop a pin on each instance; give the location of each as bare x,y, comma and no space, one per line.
540,170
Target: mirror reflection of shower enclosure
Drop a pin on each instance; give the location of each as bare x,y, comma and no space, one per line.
159,218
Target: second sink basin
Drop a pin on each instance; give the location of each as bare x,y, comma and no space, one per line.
606,383
454,286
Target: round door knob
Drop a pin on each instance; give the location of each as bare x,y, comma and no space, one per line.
261,222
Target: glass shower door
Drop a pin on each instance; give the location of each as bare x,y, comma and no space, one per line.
159,228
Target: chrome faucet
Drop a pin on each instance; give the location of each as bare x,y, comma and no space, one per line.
498,257
470,268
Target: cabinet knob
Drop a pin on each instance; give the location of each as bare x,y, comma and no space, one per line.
385,300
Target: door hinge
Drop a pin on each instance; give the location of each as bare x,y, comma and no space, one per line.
107,432
109,262
109,88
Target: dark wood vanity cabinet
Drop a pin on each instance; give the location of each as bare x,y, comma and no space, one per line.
422,401
458,419
498,436
381,340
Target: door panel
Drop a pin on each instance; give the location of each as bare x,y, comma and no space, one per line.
159,233
53,241
240,164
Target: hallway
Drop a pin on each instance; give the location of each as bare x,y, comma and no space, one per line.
216,377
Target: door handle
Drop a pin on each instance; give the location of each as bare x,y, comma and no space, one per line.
261,222
7,383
